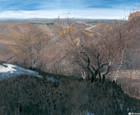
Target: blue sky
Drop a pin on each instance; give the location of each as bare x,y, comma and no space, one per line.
113,9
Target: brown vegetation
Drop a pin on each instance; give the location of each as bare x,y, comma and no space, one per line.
29,49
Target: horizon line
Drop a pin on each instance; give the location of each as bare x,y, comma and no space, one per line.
76,14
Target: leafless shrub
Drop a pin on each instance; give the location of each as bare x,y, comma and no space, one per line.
29,95
29,49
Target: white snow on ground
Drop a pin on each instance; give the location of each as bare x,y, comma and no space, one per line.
10,70
51,79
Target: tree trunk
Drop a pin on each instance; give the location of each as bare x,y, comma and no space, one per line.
92,79
94,76
103,79
100,76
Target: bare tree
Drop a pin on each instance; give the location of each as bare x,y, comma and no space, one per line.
29,48
101,55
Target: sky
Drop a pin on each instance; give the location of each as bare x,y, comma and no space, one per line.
91,9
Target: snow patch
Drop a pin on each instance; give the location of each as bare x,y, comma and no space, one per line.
51,79
10,70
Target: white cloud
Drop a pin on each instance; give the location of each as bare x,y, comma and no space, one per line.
90,13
